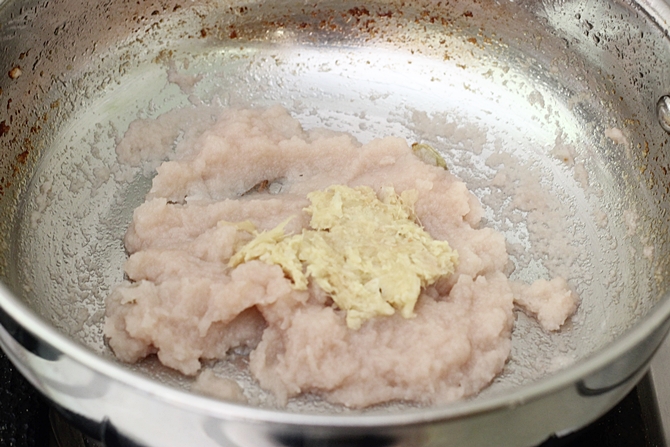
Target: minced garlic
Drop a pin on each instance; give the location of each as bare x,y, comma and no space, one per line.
367,253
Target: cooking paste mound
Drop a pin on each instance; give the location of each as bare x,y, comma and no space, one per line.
368,255
183,302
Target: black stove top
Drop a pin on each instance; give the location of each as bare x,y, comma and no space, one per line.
24,413
634,422
25,419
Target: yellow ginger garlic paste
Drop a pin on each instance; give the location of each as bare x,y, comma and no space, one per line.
368,253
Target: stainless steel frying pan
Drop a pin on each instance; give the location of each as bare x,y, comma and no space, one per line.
567,93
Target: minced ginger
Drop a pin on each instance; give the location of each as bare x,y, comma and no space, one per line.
367,253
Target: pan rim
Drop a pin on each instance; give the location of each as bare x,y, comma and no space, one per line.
211,407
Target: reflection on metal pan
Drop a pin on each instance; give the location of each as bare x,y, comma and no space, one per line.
569,98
